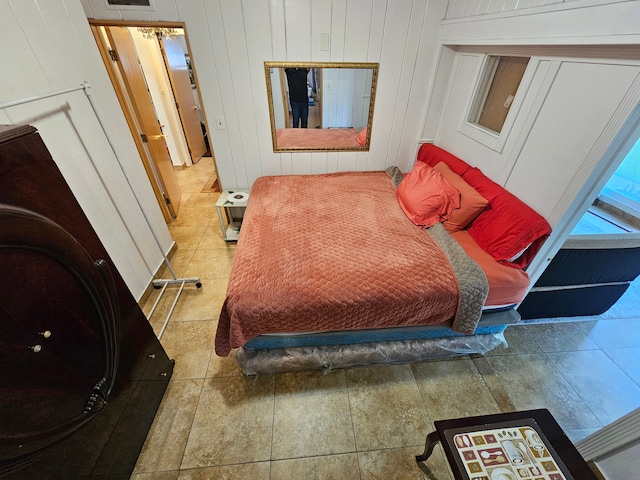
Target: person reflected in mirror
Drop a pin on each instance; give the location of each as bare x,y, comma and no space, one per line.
298,95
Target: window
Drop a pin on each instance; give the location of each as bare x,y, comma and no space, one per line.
487,119
498,86
623,188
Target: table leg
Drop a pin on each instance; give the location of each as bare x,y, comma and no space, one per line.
432,440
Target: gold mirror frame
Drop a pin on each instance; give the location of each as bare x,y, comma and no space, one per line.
313,145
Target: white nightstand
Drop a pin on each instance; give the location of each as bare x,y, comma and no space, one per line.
228,201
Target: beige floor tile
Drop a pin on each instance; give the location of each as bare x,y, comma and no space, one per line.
560,337
330,467
233,422
532,382
156,476
604,387
187,238
400,464
453,389
179,263
223,367
213,239
628,359
190,344
386,407
622,333
202,303
213,263
167,438
194,216
246,471
202,200
498,392
519,341
194,303
311,415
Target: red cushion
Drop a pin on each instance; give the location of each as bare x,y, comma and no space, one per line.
507,226
432,155
426,197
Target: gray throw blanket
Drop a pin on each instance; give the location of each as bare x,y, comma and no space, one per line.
473,283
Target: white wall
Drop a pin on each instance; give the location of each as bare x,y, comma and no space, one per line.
231,39
577,116
548,22
470,8
46,46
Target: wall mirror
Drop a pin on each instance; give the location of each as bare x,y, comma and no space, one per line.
330,103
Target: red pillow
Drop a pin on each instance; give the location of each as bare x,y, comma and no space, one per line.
426,197
471,202
432,155
507,226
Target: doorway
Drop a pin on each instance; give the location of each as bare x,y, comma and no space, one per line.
153,73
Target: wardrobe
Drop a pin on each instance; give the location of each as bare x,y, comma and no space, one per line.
81,371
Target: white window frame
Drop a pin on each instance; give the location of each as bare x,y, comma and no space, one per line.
488,138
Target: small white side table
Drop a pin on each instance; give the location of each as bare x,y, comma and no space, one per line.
228,200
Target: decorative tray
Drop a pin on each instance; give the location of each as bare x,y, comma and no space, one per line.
515,450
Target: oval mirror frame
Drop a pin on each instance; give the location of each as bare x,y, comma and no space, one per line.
342,137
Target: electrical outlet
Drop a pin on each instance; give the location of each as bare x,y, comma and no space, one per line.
220,123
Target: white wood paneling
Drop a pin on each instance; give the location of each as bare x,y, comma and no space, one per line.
571,23
470,8
567,106
578,107
50,47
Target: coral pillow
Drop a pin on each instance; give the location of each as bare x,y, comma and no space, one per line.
471,202
362,137
426,197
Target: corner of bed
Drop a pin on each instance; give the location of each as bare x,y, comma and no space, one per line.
359,268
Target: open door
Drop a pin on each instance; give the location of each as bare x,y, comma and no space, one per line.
120,58
151,134
182,87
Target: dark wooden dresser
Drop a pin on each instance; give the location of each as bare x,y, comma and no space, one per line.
81,371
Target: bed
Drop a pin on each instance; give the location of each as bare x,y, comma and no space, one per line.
354,268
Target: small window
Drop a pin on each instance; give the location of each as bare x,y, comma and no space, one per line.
497,89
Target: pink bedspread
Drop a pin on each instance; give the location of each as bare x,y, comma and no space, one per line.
317,138
332,252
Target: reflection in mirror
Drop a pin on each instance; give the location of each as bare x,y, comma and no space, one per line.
321,106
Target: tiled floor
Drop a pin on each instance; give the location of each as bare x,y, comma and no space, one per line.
369,422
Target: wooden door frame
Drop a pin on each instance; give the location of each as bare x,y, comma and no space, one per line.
106,58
